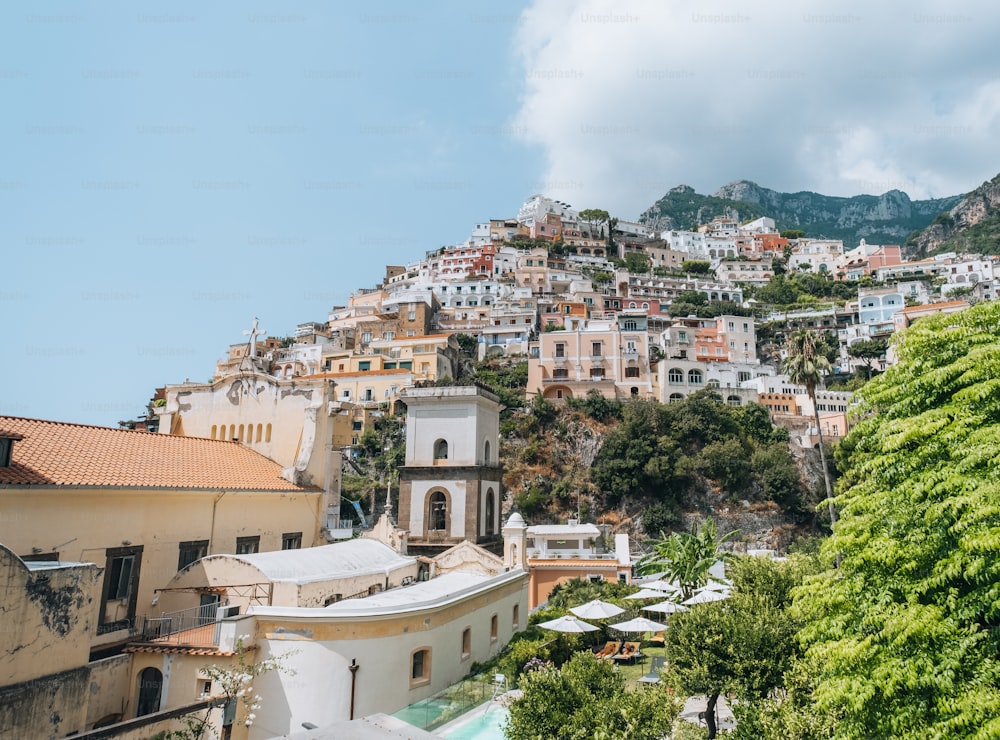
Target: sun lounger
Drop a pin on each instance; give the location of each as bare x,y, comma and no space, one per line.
630,651
658,639
610,649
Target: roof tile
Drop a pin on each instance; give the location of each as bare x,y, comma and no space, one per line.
54,453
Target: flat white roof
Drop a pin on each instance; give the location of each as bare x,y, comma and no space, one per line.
419,593
328,562
564,530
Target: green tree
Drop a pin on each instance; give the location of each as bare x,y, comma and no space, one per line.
743,645
637,262
805,366
687,557
586,699
868,350
594,218
903,638
696,267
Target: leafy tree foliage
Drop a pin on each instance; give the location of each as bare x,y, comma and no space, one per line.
868,350
743,645
903,638
805,366
696,267
636,262
584,700
686,557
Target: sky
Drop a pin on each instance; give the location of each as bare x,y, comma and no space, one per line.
169,172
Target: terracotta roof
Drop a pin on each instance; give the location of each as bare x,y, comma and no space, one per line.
56,453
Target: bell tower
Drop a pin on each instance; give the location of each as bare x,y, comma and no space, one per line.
450,483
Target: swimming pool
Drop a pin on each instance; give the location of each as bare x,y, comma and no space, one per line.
482,723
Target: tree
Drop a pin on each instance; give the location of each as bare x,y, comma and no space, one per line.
903,638
696,267
868,350
594,217
585,699
687,557
742,645
636,262
805,366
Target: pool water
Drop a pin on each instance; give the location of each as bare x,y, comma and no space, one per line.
479,724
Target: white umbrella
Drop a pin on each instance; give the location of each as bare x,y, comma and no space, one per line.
597,609
705,596
667,607
664,586
568,623
646,593
639,624
713,586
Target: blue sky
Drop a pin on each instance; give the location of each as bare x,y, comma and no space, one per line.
171,171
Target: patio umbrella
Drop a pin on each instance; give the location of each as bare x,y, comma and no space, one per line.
706,596
639,624
664,587
714,586
568,623
646,593
666,607
597,609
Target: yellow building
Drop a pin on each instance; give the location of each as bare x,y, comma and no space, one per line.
143,506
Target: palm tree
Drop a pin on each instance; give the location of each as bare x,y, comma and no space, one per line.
805,366
687,557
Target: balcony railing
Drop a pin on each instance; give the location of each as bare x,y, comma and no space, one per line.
194,626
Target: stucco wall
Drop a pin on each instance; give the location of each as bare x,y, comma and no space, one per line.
108,688
48,617
320,650
82,524
52,706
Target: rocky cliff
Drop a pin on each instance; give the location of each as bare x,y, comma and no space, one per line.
879,219
971,225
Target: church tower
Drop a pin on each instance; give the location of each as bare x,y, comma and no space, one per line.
450,482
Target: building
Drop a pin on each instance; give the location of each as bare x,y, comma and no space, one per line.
143,506
450,485
610,356
49,687
557,553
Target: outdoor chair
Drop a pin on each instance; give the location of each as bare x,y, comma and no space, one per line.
656,665
630,651
658,639
609,650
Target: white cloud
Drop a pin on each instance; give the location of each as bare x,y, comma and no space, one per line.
629,99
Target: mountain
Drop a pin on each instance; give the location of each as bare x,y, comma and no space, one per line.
971,225
879,219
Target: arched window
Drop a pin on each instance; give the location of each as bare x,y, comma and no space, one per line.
675,397
675,376
259,429
490,511
486,453
438,512
694,377
713,383
150,687
215,431
516,616
440,450
733,400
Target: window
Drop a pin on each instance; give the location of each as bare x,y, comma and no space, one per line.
412,316
494,627
438,512
516,616
420,667
630,325
191,551
733,400
631,372
486,452
560,350
247,545
675,398
466,642
441,450
596,349
561,373
675,376
694,377
364,365
490,512
121,587
291,541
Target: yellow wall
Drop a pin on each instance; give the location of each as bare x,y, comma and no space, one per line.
80,524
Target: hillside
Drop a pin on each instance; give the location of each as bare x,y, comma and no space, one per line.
879,219
971,225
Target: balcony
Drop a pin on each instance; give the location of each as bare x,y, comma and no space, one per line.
194,627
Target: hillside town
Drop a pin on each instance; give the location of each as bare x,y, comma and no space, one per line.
198,565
